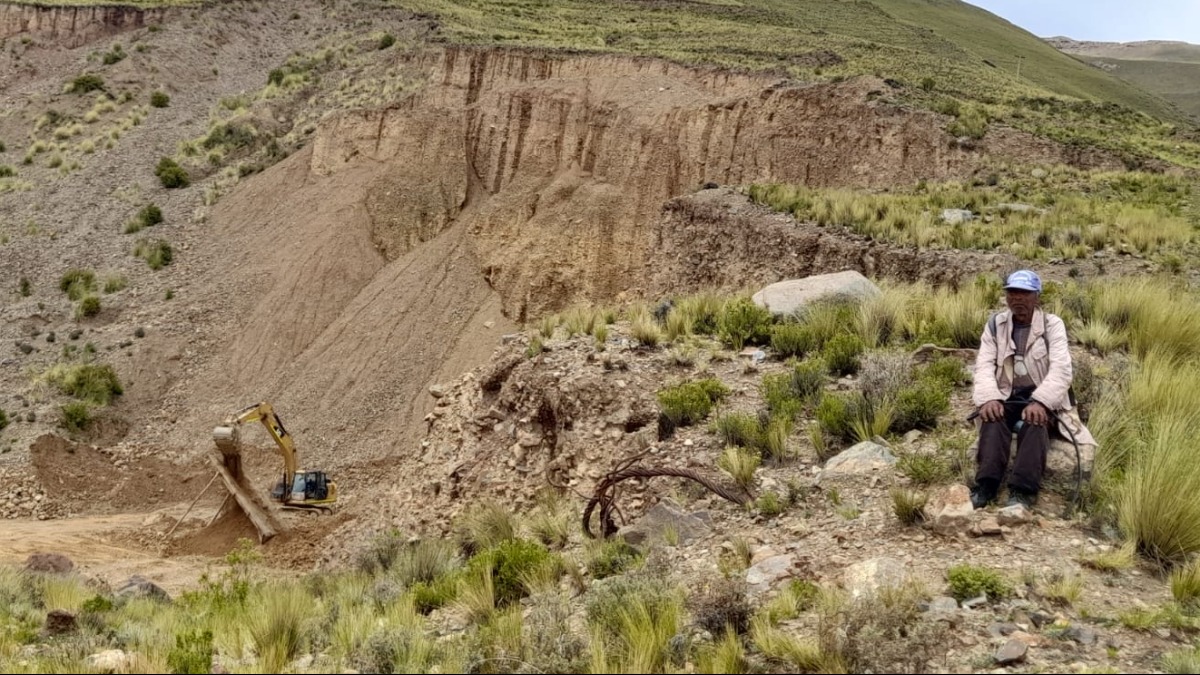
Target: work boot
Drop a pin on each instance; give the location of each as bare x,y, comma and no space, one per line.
983,494
1018,496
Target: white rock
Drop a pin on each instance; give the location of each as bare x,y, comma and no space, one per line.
787,297
869,576
110,661
860,459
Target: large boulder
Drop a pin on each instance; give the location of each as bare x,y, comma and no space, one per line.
49,563
863,458
866,578
789,297
664,518
110,661
766,573
138,586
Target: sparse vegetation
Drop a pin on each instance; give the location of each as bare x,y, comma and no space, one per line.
77,282
740,464
94,383
86,83
742,322
75,416
89,306
157,253
689,403
160,99
908,505
969,581
171,175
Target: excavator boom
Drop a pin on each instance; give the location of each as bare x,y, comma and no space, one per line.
297,488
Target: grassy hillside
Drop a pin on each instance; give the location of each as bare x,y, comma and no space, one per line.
993,40
1177,82
1178,52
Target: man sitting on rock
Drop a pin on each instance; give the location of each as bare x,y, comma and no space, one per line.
1022,383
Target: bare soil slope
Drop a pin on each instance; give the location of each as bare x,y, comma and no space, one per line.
400,240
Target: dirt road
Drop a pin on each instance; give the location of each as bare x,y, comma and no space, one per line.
101,547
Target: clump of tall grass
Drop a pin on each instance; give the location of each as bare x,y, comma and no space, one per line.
277,628
633,621
1154,504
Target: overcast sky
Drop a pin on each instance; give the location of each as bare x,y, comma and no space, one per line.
1103,20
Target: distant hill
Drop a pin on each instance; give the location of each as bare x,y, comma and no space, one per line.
1168,69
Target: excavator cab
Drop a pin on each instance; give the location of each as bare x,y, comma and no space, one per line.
309,488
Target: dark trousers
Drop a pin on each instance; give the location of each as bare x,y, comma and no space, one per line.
995,439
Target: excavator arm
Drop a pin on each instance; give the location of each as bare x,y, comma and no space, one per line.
228,442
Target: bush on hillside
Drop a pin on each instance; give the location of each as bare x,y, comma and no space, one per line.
160,99
691,402
171,175
742,322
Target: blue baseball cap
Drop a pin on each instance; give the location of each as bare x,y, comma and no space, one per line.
1023,280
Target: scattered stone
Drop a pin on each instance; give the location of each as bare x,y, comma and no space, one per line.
912,436
110,661
1040,619
59,621
1081,634
987,527
49,563
1002,629
762,576
662,518
140,587
950,510
1013,651
867,577
788,297
860,459
957,216
437,390
1039,173
977,601
1017,514
942,604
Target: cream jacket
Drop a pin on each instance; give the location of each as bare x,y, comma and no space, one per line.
1049,363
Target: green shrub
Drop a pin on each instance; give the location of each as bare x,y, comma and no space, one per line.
83,84
171,175
791,339
114,55
842,353
115,283
6,171
919,406
91,382
780,397
947,370
75,416
740,429
511,562
924,469
970,581
428,596
386,41
742,322
149,215
192,653
835,416
611,557
157,253
77,283
691,402
25,287
769,505
808,378
3,419
160,99
89,306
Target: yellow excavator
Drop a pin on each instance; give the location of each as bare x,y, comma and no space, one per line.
298,489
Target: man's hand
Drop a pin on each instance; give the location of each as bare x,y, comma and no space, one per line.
1035,413
992,411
